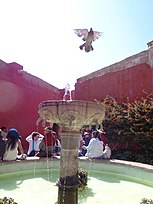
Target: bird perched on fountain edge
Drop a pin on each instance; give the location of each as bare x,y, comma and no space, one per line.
88,37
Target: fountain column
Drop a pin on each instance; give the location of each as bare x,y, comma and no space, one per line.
68,181
71,116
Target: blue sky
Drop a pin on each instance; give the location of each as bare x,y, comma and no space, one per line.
38,34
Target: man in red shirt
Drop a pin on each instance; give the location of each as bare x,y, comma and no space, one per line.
48,145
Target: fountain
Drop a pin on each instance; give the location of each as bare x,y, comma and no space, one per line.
71,115
36,178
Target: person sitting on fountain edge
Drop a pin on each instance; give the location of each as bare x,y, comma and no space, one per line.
47,146
95,147
13,144
34,140
106,152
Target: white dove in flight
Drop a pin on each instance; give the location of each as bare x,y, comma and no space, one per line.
88,37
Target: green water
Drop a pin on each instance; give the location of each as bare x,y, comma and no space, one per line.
38,187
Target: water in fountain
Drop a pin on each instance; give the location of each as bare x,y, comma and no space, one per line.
103,187
49,170
49,158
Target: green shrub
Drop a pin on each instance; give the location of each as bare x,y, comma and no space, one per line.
7,200
82,178
146,201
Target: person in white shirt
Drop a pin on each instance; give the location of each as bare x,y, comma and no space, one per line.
34,140
95,147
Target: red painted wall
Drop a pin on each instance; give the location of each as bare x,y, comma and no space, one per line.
21,94
130,82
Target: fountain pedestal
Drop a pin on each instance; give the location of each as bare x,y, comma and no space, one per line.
71,115
68,181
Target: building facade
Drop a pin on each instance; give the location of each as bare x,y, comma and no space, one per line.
21,92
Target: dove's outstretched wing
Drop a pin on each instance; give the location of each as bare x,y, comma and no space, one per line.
96,35
82,33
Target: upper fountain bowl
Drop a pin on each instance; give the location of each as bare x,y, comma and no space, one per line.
71,114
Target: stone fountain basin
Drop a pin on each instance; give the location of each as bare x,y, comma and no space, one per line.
110,181
132,169
72,114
